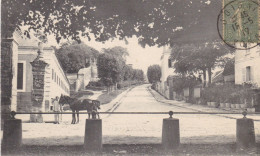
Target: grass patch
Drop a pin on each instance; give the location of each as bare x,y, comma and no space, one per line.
108,97
81,93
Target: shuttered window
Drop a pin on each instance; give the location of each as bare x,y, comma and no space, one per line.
248,73
252,73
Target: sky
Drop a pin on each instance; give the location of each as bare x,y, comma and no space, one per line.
140,58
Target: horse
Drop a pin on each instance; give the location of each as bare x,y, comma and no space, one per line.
77,105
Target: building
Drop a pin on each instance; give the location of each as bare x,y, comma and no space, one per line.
40,77
79,81
167,71
247,65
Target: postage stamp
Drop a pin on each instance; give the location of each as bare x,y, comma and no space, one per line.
238,22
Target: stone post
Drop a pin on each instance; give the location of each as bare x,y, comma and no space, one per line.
170,133
12,134
93,135
245,134
38,71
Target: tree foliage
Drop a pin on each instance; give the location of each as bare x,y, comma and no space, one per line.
182,82
154,73
201,57
108,69
154,22
112,67
74,56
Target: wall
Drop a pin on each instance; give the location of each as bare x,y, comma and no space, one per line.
55,80
24,96
245,58
14,72
166,71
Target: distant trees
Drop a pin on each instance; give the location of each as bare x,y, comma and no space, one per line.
154,73
112,68
73,56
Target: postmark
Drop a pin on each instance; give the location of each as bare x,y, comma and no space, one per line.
238,23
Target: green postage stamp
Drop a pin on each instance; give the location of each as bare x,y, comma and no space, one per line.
240,21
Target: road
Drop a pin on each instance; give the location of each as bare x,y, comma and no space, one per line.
137,129
148,128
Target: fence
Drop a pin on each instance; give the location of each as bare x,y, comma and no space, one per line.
245,136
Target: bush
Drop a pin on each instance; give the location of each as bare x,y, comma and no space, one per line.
95,84
227,93
98,85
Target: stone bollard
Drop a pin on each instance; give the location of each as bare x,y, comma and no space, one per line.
93,135
170,133
245,132
12,135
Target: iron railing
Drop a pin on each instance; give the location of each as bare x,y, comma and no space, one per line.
171,113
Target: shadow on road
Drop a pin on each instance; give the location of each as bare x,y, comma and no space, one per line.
141,149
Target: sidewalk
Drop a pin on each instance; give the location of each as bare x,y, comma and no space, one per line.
202,108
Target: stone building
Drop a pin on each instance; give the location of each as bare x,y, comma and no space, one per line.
167,71
40,78
247,65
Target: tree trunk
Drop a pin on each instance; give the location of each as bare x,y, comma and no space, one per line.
209,74
204,77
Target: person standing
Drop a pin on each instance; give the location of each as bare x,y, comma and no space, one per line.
56,106
61,110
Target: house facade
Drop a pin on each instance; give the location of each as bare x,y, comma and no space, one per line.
167,70
35,84
247,65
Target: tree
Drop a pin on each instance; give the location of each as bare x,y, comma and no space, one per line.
153,22
128,72
120,54
73,56
138,75
154,73
108,69
192,58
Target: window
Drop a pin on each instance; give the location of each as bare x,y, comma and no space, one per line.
52,74
248,73
20,76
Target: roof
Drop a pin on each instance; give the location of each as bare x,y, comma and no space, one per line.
218,77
